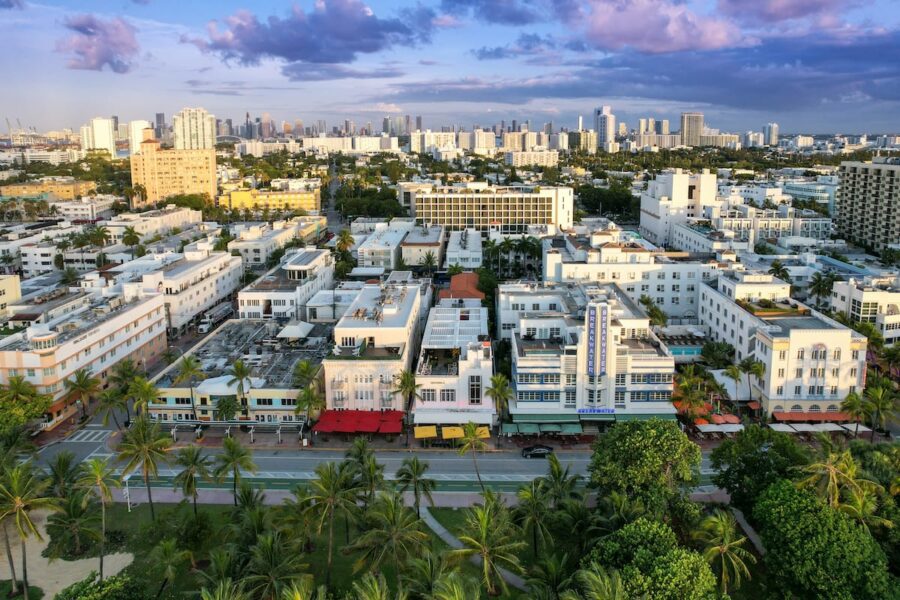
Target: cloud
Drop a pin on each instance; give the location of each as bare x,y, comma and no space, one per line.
774,11
334,31
12,4
97,43
300,71
505,12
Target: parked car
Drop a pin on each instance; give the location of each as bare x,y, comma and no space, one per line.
537,451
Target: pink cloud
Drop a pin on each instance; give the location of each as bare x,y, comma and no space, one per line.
96,43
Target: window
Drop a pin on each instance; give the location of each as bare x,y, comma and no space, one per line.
475,389
428,395
448,395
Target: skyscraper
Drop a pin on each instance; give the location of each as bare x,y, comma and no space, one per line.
770,133
99,134
691,128
604,125
194,129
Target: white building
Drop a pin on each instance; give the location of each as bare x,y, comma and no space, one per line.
375,341
873,300
153,223
194,284
455,366
464,249
420,242
283,292
99,134
532,158
194,129
382,246
811,361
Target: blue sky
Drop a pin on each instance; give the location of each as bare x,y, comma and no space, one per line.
812,65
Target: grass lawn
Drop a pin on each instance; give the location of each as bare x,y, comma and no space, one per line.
34,593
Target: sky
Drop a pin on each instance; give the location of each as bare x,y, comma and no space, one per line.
813,66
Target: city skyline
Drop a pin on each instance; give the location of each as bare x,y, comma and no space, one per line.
812,66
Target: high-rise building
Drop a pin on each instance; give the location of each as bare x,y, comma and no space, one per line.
770,133
691,128
868,204
99,134
136,134
605,125
165,173
194,129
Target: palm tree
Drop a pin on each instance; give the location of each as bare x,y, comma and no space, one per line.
195,467
84,386
331,492
63,472
273,567
533,512
142,393
131,238
559,483
881,405
108,403
501,393
144,446
344,241
411,475
722,548
97,479
234,459
395,535
166,557
854,407
471,443
189,371
489,535
429,262
239,376
21,493
597,583
780,271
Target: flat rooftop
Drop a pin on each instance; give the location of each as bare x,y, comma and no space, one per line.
254,341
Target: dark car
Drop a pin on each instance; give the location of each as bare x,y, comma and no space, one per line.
537,451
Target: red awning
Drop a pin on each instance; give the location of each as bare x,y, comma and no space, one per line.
390,427
835,417
753,405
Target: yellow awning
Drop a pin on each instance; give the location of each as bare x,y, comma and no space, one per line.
483,432
425,431
451,433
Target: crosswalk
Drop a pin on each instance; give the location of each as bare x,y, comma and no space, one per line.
88,436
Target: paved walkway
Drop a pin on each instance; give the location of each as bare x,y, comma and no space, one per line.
450,539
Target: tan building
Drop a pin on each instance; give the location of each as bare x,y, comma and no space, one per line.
10,292
165,173
308,201
60,188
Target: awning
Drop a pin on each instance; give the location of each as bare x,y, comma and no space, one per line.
483,432
509,428
546,418
597,416
834,417
529,428
451,433
551,428
753,405
571,429
424,432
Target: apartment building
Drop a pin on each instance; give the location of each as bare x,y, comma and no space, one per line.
55,188
165,173
87,209
194,284
269,396
811,361
873,300
282,201
382,247
10,293
282,293
375,341
605,256
532,158
477,205
422,241
868,206
256,243
153,223
455,366
674,197
464,249
582,356
80,331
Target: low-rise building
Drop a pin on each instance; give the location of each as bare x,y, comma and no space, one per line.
420,242
455,366
56,188
873,300
282,293
464,249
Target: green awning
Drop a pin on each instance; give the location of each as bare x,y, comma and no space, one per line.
509,428
529,428
597,416
551,428
644,417
545,418
571,429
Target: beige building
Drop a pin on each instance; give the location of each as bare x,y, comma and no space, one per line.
165,173
868,206
59,188
10,292
308,201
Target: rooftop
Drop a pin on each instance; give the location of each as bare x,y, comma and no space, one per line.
254,341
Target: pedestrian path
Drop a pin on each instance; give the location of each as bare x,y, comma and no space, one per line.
451,540
88,436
